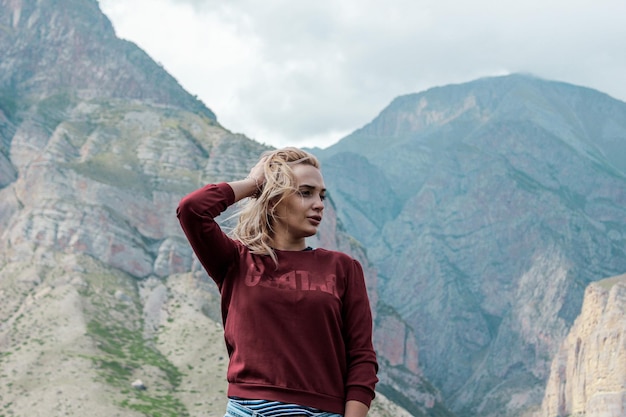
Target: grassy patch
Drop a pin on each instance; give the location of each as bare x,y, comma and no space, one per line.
608,283
52,109
155,406
107,169
125,352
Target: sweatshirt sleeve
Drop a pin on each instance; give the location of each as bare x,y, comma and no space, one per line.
197,212
362,364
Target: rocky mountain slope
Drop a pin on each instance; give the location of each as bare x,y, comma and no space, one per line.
487,208
98,286
69,46
588,374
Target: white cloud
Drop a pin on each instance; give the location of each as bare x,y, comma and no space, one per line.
296,73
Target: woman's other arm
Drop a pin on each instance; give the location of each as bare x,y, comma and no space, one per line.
355,409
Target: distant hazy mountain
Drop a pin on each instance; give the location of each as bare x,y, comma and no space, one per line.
98,286
487,208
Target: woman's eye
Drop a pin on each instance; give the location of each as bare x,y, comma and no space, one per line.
310,193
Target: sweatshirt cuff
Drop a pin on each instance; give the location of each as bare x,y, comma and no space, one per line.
228,192
360,394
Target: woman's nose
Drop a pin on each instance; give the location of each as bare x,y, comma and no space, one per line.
319,203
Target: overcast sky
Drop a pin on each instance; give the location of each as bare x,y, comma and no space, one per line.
309,72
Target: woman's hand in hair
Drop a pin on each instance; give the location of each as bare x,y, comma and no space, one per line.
257,173
252,184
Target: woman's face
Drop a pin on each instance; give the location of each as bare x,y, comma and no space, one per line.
299,215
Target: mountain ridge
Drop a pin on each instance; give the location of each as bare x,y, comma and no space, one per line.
41,40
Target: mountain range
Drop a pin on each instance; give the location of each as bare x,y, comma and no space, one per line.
483,214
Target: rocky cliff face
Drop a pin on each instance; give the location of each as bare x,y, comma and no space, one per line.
94,272
588,374
99,287
494,204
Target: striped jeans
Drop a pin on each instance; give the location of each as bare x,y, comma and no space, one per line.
237,410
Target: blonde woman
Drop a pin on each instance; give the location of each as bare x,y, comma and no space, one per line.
297,321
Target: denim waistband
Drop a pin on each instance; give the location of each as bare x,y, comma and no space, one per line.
237,410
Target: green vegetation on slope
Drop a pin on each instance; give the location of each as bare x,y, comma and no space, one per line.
116,327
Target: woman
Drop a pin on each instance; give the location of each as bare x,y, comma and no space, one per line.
297,321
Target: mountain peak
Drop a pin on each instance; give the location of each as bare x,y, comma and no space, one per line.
585,119
52,47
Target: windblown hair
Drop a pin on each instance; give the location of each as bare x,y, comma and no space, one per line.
257,216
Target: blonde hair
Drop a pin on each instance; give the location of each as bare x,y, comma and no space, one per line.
254,227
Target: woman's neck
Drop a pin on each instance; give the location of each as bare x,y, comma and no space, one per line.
288,244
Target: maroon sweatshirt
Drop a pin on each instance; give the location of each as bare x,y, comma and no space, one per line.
297,333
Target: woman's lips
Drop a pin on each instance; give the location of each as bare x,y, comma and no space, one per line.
315,219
